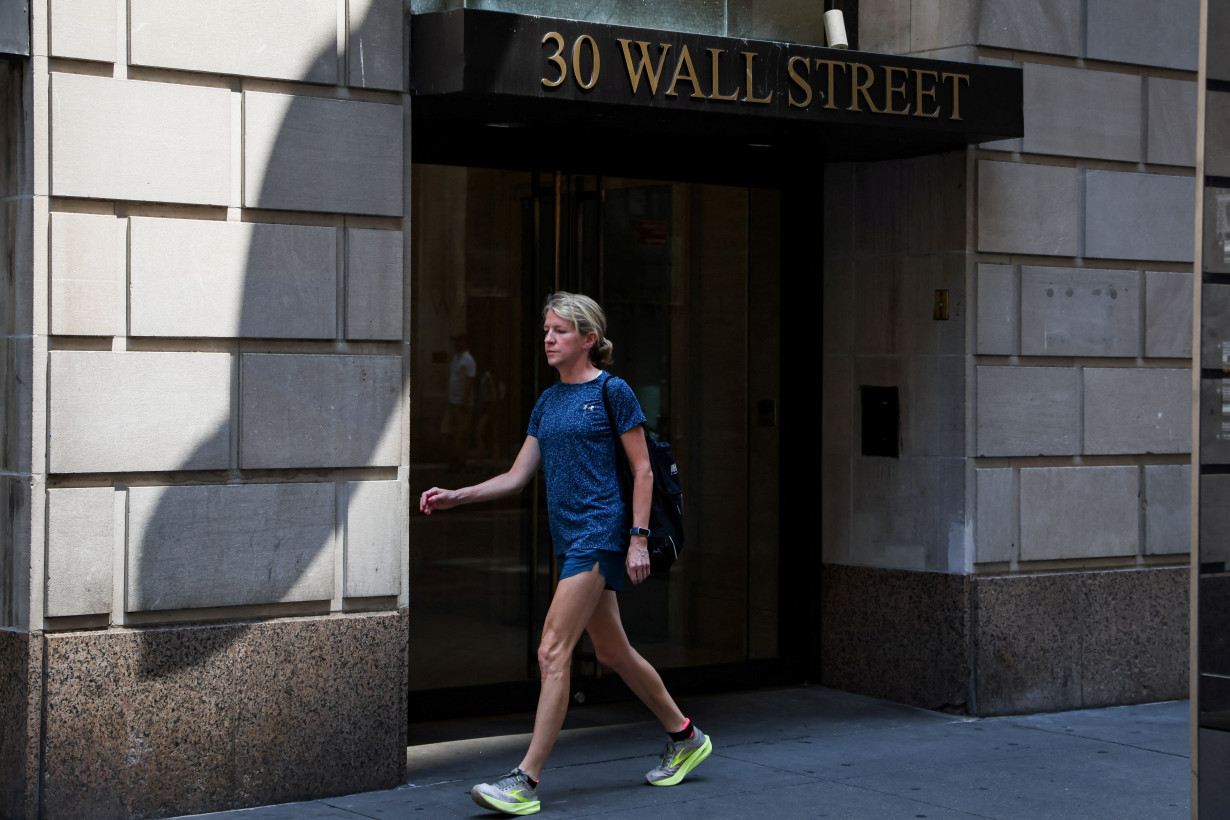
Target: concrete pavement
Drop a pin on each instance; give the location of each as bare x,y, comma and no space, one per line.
805,752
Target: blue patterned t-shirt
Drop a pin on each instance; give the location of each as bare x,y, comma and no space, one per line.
578,458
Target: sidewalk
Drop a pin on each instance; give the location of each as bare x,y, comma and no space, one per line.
805,753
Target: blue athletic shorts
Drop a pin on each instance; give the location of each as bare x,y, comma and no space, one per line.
610,564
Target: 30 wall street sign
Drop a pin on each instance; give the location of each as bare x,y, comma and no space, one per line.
543,58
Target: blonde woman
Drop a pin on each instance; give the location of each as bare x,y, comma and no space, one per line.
569,436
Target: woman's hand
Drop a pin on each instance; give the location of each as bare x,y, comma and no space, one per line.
437,499
642,496
503,485
638,559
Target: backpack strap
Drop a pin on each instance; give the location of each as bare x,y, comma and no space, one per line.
621,459
610,420
606,405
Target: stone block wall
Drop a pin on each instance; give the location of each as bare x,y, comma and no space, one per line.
213,309
1077,250
1061,397
218,420
1081,401
894,237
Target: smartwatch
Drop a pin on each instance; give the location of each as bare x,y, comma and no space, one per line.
639,531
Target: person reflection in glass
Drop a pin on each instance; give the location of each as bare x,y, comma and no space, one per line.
569,436
458,415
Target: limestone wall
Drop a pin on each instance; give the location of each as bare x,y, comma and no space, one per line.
206,404
219,218
894,236
1082,410
1076,415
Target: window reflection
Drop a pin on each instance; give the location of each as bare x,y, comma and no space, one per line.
672,264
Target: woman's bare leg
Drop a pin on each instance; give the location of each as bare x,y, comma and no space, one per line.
611,645
572,607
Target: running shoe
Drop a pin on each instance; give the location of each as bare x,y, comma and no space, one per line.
514,793
679,758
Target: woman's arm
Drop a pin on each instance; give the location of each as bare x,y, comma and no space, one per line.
642,497
505,484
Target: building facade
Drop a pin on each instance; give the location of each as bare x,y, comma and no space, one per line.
927,372
1041,494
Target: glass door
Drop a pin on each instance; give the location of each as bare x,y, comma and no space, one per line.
688,275
474,571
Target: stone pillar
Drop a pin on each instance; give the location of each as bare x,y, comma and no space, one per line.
20,651
206,545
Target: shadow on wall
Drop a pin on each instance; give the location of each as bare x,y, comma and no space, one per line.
332,404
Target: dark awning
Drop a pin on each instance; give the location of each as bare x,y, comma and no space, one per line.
535,89
15,27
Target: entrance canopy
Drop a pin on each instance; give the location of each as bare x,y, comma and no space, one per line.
523,90
15,27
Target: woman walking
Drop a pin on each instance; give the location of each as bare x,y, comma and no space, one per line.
569,436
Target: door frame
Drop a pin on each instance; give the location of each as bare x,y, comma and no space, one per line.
800,562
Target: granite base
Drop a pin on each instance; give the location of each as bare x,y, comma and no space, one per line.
1080,640
895,634
169,721
1002,645
20,665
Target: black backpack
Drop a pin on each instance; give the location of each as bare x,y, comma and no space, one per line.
666,507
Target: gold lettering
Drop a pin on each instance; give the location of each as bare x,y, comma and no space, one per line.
576,61
748,57
831,100
857,88
685,58
956,92
556,58
801,81
634,75
716,94
890,90
920,92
